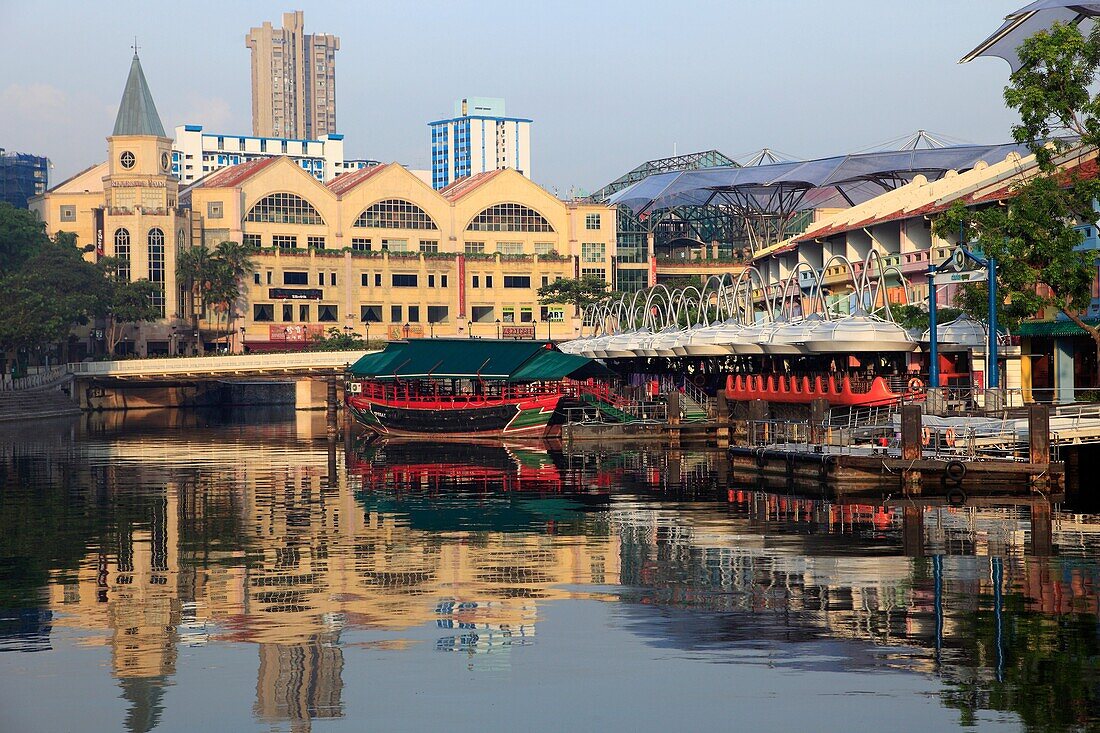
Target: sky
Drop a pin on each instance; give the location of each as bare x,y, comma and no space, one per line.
609,85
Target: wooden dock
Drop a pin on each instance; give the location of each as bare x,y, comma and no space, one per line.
853,473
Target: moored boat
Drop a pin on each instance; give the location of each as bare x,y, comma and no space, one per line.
471,387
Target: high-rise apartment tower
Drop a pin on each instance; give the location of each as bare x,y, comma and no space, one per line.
293,80
479,138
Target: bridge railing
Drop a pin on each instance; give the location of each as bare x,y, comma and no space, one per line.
42,379
218,364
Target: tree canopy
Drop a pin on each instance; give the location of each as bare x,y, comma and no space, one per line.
577,292
1035,237
49,287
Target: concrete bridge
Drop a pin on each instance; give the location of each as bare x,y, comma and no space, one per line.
299,378
251,366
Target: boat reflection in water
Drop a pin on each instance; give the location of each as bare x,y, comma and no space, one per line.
152,557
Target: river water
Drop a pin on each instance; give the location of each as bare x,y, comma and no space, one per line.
182,571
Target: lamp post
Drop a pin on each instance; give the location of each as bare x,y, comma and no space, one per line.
366,325
407,326
498,329
469,329
431,328
244,344
535,328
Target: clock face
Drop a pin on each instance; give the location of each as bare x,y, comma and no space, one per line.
127,159
165,161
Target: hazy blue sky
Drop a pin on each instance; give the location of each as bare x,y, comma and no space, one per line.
609,85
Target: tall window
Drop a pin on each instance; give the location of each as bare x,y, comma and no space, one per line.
122,253
395,214
509,218
593,251
284,208
156,266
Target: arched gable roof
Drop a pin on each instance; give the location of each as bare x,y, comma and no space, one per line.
284,208
395,213
509,217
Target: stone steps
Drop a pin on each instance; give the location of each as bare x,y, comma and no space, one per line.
34,404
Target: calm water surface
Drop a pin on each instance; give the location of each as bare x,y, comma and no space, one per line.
175,571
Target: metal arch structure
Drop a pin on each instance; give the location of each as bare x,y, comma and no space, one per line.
765,198
741,298
704,224
686,162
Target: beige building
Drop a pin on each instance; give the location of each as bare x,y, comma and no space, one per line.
293,80
128,207
380,253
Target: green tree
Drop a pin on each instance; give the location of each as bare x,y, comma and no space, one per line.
216,280
333,340
22,234
1033,237
48,293
130,303
578,292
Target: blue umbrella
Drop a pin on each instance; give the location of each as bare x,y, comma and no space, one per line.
1029,20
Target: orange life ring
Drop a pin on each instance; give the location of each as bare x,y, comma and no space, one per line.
915,384
925,436
949,437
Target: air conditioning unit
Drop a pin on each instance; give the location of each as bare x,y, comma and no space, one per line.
355,387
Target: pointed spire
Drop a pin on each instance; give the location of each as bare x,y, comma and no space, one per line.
137,115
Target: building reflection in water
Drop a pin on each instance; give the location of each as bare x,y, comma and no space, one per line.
247,534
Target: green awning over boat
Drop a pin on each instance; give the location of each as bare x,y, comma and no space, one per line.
551,366
514,361
1053,328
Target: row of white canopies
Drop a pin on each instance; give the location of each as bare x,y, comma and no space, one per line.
745,315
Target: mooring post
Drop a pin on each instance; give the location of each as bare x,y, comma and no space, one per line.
673,401
759,411
912,530
819,413
722,431
911,424
1042,532
330,406
1038,428
723,406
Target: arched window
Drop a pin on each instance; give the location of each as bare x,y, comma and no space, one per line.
122,253
395,214
284,208
181,241
156,266
509,218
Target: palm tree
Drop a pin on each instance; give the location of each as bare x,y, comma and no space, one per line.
236,263
193,268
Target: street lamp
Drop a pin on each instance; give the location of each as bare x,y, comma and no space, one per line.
244,345
498,329
535,328
469,329
366,325
431,327
407,326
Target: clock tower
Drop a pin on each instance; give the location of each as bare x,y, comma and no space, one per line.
143,225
